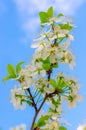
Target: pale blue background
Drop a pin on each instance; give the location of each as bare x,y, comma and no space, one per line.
15,47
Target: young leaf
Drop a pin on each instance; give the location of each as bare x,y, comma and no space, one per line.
54,66
62,128
11,70
50,12
59,15
27,101
46,66
18,66
66,26
43,17
53,83
42,120
6,78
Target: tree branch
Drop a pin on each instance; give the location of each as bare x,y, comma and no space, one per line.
31,97
46,96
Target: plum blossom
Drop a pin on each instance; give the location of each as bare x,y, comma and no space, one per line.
52,48
75,98
17,94
51,126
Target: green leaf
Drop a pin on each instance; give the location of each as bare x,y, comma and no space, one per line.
46,66
61,39
59,15
11,71
54,102
43,17
53,83
54,65
66,26
35,125
50,12
62,128
47,60
6,78
18,66
42,120
27,101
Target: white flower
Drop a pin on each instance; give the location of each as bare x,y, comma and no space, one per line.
39,39
21,127
55,125
56,115
45,53
70,37
62,33
82,127
27,79
76,98
51,126
66,44
53,58
41,83
16,100
39,46
48,90
59,31
72,64
69,58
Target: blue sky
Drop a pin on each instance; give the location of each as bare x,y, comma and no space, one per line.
19,23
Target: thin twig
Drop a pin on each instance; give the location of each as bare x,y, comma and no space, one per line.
31,97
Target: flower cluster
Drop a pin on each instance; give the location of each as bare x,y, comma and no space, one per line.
37,84
17,97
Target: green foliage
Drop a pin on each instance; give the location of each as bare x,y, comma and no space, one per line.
66,26
62,128
44,16
42,121
18,66
27,101
59,15
55,102
46,64
50,12
59,86
53,83
12,72
61,82
54,65
6,78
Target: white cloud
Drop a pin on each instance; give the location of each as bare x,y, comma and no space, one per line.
82,127
28,10
33,6
68,6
